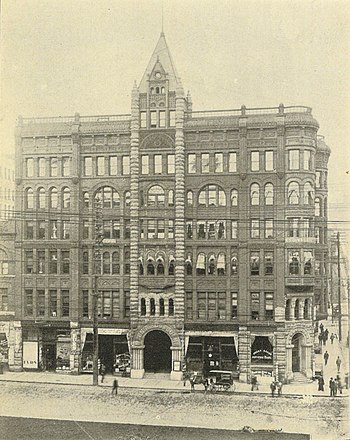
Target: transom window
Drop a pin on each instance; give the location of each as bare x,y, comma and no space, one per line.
156,196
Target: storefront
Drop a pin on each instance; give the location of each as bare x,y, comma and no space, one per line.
262,356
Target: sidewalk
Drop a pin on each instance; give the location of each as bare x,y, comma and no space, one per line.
292,390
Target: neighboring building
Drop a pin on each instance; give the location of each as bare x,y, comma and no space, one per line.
209,255
7,186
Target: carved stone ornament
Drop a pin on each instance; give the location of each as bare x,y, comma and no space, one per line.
280,175
243,176
18,180
75,180
157,140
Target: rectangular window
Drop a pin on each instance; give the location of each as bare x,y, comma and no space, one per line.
151,229
219,162
126,165
269,228
268,263
255,161
29,306
53,167
293,227
232,162
126,303
189,305
234,305
189,229
30,167
308,262
100,166
113,165
107,229
171,229
143,119
201,230
85,262
142,229
171,163
29,263
145,164
293,262
53,229
172,118
116,229
269,305
115,303
40,305
53,302
87,166
205,162
162,118
254,263
41,231
255,229
307,160
66,166
53,261
317,234
86,229
191,164
153,119
234,229
65,230
64,303
307,228
318,179
85,304
29,230
157,164
269,161
202,305
65,262
293,159
41,262
41,167
161,229
126,229
255,305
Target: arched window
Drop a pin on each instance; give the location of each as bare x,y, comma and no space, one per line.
234,265
287,310
308,194
161,307
156,196
163,90
109,197
293,193
127,199
189,198
254,194
317,207
157,90
141,271
160,266
143,307
200,266
41,198
126,261
53,198
171,269
171,198
269,196
4,265
212,195
211,264
30,198
115,263
66,198
221,266
150,266
306,309
234,197
106,268
188,265
152,306
171,307
152,90
86,199
296,310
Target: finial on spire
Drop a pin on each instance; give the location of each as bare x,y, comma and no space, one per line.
162,33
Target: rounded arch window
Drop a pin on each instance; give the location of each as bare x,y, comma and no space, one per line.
152,90
254,194
152,306
221,265
66,197
171,198
212,195
308,193
211,264
188,265
200,266
161,307
53,198
143,307
86,199
234,197
150,266
317,207
189,198
155,196
157,90
171,307
115,263
30,198
41,198
269,196
108,196
234,265
127,198
293,193
160,266
171,269
4,265
141,270
163,90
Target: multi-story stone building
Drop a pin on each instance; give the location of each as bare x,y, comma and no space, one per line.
7,186
209,255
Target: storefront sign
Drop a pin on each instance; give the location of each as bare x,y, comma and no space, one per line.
30,354
112,331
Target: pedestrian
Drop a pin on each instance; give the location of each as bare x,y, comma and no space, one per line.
324,337
326,332
321,327
338,362
211,384
325,357
339,384
320,383
273,388
254,383
332,338
279,388
320,338
331,387
115,387
103,372
192,382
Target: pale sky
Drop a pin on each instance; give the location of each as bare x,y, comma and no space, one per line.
59,57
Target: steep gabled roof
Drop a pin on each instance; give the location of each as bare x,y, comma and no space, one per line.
161,55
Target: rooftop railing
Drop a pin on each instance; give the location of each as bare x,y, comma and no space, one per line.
73,119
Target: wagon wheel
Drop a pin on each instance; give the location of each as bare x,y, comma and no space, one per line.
226,386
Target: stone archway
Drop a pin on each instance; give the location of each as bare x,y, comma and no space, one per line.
157,352
299,352
297,342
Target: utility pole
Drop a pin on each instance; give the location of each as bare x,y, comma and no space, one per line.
97,255
339,285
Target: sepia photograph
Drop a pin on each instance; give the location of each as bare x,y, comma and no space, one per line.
174,219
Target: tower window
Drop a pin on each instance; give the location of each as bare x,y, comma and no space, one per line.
153,119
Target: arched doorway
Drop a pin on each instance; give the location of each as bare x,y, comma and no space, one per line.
297,341
157,353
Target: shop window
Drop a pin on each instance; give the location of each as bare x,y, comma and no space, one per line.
293,159
232,162
262,351
143,307
254,263
293,193
255,305
294,262
171,307
254,194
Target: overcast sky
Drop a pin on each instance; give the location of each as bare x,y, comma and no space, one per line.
65,56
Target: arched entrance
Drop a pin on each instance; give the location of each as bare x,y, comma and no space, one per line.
157,354
297,342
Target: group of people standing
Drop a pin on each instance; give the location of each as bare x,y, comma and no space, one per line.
324,335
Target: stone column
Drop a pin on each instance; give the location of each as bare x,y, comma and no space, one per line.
280,353
137,360
176,356
301,308
75,350
292,309
289,371
306,360
244,353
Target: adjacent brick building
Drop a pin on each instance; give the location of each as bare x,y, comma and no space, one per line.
212,253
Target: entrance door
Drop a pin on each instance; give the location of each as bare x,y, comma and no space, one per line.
157,352
49,357
296,352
